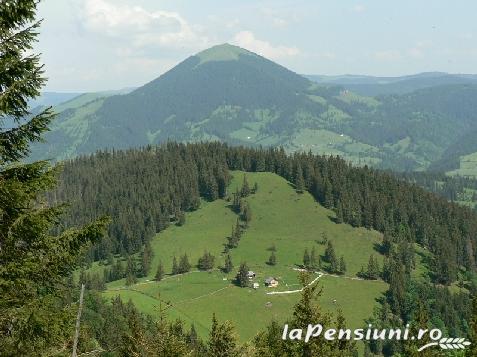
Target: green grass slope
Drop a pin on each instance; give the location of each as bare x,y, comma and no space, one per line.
281,217
467,166
229,94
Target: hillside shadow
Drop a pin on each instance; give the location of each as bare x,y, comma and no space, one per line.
378,247
231,208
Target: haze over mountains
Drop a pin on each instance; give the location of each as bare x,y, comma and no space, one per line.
373,86
229,94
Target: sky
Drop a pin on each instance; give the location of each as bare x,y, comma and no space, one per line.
93,45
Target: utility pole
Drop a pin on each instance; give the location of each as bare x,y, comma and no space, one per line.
78,321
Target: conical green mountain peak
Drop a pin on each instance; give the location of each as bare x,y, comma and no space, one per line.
223,52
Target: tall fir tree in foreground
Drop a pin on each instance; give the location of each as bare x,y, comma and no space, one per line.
33,263
472,350
306,311
222,340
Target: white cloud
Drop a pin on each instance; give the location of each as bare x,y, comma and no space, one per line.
247,39
143,28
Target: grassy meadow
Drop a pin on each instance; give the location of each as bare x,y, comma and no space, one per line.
282,218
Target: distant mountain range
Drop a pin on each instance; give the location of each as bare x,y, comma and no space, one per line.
57,99
229,94
52,98
373,86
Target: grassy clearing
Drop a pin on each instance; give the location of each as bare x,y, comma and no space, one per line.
194,297
280,217
468,166
330,143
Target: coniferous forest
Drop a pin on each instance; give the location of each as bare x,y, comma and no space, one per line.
60,222
405,213
146,189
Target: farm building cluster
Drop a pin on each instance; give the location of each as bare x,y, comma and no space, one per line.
270,282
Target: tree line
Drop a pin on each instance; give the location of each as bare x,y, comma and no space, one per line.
38,256
145,188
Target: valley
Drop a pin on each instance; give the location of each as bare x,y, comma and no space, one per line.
255,102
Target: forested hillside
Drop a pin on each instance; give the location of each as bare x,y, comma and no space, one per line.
229,94
360,196
195,230
144,190
427,241
458,189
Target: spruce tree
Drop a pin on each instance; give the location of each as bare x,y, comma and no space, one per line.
130,267
238,229
386,246
236,201
344,348
328,197
472,349
33,261
192,338
272,260
107,276
175,267
339,213
420,320
324,238
181,218
299,181
334,264
117,271
342,266
313,259
372,271
159,272
222,341
245,191
109,259
234,237
130,279
247,214
306,259
261,164
242,276
184,265
146,258
308,311
228,264
330,257
329,252
206,262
